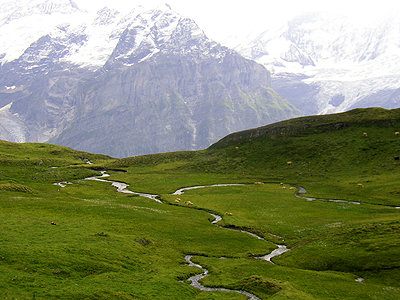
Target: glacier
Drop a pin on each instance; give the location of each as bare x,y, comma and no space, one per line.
331,51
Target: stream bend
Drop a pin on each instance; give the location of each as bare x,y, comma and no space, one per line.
123,188
196,278
302,191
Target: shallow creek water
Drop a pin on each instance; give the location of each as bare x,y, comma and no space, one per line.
123,188
302,191
196,278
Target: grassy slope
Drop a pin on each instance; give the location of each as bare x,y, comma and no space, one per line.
330,155
141,252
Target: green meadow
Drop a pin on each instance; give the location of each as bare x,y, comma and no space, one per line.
109,245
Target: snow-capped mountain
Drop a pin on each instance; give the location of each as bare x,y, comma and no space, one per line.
71,35
161,30
327,63
22,22
124,84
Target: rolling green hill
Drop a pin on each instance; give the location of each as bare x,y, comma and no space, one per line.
109,245
330,154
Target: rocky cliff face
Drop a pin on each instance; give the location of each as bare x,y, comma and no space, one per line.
173,102
124,85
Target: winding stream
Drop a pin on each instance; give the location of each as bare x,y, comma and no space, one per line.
183,190
281,248
196,278
123,188
302,191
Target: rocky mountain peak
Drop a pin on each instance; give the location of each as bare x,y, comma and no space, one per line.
106,16
162,8
155,31
145,82
23,8
110,36
327,63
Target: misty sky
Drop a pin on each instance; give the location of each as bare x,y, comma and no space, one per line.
222,18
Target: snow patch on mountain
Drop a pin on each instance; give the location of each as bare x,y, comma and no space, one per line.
102,35
90,40
342,57
17,9
161,30
11,127
83,80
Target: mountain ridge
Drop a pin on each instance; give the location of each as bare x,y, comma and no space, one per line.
150,79
318,58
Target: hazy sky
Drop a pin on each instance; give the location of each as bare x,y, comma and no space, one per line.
220,18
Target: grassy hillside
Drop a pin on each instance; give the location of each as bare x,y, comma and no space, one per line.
330,154
109,245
